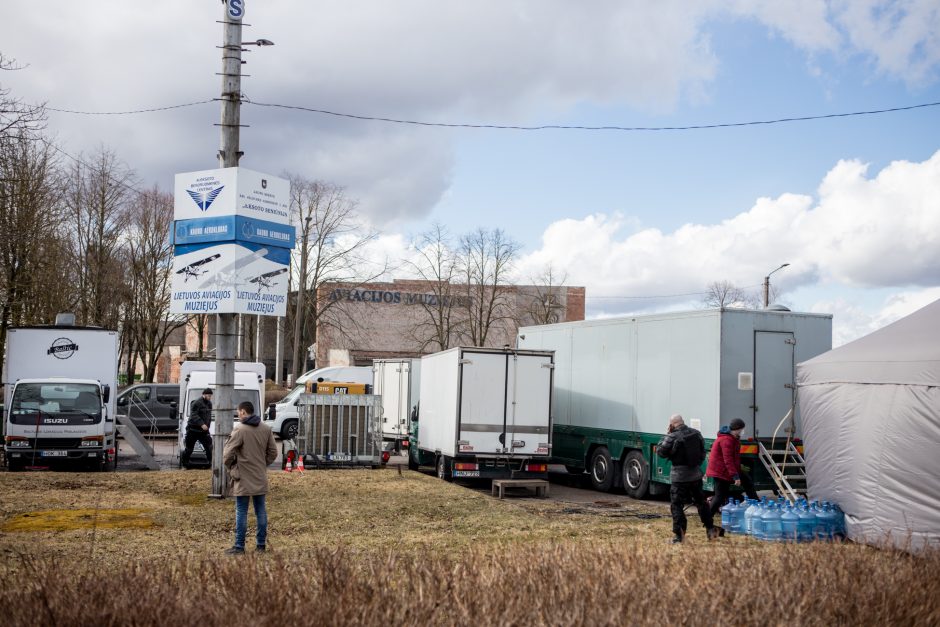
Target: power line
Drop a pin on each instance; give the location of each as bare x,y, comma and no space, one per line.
166,108
546,127
542,127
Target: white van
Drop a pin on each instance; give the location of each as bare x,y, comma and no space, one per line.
284,419
196,376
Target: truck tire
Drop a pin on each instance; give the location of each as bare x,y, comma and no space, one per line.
602,470
15,466
289,430
412,463
443,468
636,475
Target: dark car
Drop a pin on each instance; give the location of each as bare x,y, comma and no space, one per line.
151,406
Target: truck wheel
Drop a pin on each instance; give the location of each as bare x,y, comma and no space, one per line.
15,466
443,468
602,470
289,430
636,475
412,463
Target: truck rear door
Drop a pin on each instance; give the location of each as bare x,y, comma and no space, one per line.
483,397
528,407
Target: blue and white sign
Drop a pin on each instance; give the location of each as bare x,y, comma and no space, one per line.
236,9
230,278
234,228
231,191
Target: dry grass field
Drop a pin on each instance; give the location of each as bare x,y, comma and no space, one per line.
376,547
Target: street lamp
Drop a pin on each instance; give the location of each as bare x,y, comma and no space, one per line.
258,42
767,284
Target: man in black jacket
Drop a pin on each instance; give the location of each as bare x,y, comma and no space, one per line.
197,427
685,448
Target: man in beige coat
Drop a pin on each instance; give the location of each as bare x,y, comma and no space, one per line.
247,454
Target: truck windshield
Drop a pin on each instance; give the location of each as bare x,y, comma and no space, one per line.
55,404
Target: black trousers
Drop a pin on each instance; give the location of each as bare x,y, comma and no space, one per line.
190,440
682,492
723,489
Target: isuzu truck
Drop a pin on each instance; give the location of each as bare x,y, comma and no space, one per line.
60,384
618,380
484,413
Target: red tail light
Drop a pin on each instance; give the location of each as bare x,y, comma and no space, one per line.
536,467
466,466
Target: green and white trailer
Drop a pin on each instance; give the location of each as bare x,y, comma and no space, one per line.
617,381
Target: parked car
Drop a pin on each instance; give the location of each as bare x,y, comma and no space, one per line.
151,406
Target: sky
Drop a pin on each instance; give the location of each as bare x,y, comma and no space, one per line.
644,219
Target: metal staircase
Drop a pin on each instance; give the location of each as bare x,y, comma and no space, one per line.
786,467
132,436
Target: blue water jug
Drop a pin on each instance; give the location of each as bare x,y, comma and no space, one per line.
770,522
757,522
829,522
789,524
807,524
737,519
727,512
820,532
839,531
752,510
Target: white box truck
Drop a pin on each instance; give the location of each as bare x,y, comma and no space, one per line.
484,413
60,384
618,380
196,376
398,382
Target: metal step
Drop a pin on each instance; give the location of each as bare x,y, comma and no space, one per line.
132,436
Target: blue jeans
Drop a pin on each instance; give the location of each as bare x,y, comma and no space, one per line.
241,519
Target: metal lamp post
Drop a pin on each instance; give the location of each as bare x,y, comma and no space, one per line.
767,284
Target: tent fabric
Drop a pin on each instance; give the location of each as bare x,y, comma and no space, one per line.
871,431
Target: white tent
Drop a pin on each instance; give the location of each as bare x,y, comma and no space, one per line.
871,430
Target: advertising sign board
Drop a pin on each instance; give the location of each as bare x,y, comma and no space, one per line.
231,191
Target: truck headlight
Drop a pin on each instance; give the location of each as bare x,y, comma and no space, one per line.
17,443
93,441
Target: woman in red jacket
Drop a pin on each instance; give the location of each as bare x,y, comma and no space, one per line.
724,465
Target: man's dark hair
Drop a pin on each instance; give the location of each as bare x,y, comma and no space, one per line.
247,407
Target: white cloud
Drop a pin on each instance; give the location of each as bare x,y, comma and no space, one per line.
862,232
851,321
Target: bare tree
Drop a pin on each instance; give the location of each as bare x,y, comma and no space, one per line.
443,320
96,201
546,306
17,118
200,324
486,259
333,243
151,259
725,294
32,286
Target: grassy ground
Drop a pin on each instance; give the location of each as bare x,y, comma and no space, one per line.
371,547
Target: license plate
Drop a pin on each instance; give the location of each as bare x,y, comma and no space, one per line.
466,473
54,454
339,457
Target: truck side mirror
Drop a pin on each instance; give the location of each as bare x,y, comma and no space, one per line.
121,401
272,412
106,392
173,410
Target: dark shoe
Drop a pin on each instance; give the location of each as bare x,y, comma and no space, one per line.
677,540
712,533
234,551
721,532
261,549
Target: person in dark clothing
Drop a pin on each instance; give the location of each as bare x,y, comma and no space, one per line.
685,448
724,466
197,427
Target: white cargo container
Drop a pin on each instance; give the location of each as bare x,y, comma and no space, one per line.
59,396
196,376
618,380
485,413
398,382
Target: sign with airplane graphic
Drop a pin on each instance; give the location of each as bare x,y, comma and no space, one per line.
230,278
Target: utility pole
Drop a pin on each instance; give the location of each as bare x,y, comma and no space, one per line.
301,293
229,154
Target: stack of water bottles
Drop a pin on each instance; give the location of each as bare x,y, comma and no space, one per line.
779,520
